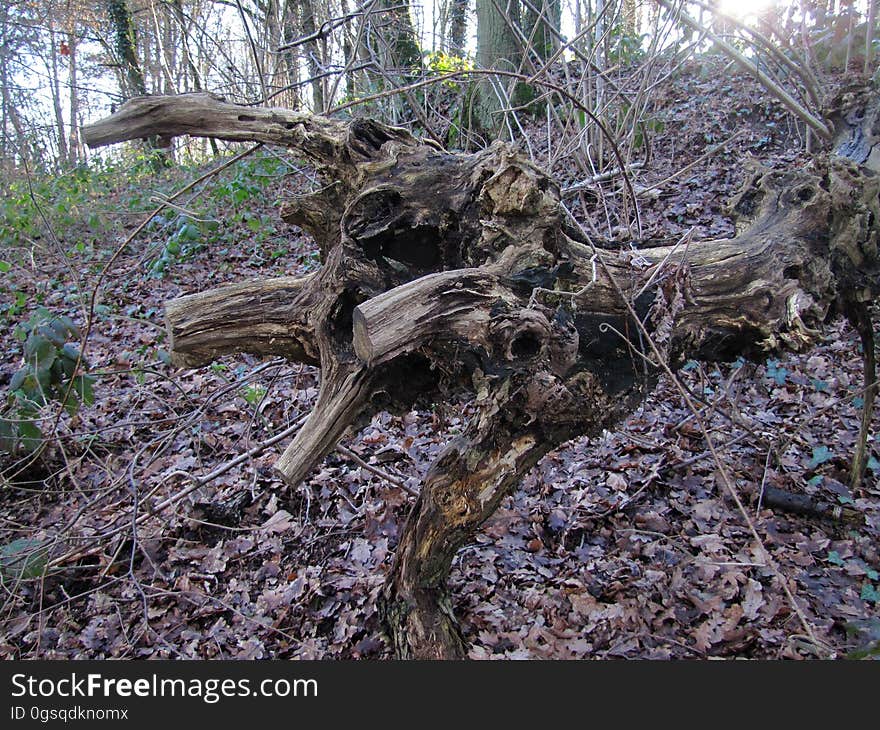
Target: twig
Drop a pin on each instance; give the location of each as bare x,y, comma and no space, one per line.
599,177
860,318
349,454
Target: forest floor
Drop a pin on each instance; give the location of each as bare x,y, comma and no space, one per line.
620,546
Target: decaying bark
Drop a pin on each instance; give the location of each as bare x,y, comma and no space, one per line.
443,271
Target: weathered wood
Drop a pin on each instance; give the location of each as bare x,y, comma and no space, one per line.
465,486
443,271
343,395
199,114
265,317
453,303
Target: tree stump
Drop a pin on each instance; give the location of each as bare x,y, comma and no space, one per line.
443,271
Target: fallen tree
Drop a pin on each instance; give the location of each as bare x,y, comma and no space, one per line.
441,271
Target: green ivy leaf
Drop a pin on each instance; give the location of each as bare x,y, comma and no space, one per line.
7,436
18,379
834,558
870,593
821,454
39,348
22,559
29,435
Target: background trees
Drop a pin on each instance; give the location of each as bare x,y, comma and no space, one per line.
61,58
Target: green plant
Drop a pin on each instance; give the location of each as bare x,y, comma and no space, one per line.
441,64
867,631
625,46
51,370
183,239
22,559
253,394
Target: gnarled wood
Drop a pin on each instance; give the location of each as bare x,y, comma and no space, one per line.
442,271
324,140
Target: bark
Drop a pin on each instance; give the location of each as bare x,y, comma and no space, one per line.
802,504
125,45
458,17
403,49
447,271
132,81
542,18
313,53
497,47
21,149
55,90
74,148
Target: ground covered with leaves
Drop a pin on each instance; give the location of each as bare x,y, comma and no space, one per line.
151,525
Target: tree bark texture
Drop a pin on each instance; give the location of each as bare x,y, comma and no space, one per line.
446,271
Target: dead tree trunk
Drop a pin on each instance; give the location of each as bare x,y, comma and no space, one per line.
443,271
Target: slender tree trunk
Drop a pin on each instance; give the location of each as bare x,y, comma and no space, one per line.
457,27
350,51
4,80
404,48
630,17
131,75
55,90
20,151
180,18
125,45
312,50
73,99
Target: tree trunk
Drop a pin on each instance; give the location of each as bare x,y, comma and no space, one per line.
132,82
504,296
403,49
497,48
542,17
55,91
74,148
176,7
313,54
125,45
869,36
457,42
